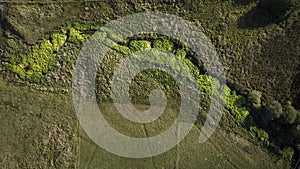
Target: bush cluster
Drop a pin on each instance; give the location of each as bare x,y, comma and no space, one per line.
39,60
261,134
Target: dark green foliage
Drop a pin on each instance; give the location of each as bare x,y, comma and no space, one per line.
248,122
289,114
287,153
298,144
295,130
262,135
273,110
254,97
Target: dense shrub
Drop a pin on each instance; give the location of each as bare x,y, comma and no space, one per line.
39,60
287,153
163,44
295,130
262,135
181,53
289,114
75,36
193,68
203,82
273,110
234,103
123,49
254,97
137,45
58,39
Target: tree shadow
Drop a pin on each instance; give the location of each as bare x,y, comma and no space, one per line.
296,90
242,2
264,13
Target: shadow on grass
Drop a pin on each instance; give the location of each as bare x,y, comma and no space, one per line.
242,2
264,13
296,90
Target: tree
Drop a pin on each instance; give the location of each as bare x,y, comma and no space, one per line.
254,97
273,110
289,114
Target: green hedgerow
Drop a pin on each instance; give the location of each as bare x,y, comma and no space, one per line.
39,60
194,69
203,82
137,45
58,39
163,44
234,103
75,36
181,53
123,49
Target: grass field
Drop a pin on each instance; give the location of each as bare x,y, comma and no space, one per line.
41,131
